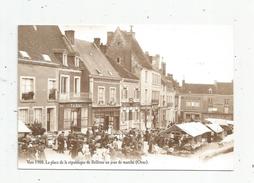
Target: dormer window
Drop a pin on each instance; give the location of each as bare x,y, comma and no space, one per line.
65,60
76,61
210,91
24,54
46,57
118,60
98,71
110,73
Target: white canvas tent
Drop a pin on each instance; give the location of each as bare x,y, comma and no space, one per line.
22,128
221,122
194,129
215,127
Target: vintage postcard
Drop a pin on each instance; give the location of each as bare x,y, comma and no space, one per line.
138,97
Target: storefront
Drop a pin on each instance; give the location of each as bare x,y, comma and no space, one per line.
74,114
107,116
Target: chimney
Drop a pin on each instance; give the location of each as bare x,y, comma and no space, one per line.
163,68
109,36
70,34
183,82
131,31
97,41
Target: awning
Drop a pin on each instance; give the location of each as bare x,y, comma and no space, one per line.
222,122
22,128
194,129
215,127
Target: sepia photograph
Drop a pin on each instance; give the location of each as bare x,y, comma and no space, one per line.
125,96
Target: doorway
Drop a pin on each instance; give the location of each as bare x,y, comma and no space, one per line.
50,119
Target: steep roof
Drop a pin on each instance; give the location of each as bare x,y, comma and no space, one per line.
197,88
94,60
135,48
217,88
123,72
40,39
224,88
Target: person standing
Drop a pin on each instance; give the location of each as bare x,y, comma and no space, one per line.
60,140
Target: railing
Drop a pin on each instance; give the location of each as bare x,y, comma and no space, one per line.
27,96
170,104
155,101
74,96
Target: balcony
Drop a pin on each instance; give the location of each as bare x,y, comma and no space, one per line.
170,104
155,101
27,96
74,97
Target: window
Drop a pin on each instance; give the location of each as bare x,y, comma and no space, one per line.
210,91
146,95
118,60
226,110
110,73
130,114
64,84
125,116
226,101
76,61
77,86
46,57
136,93
192,104
65,62
112,95
155,95
98,71
23,116
146,73
27,88
125,93
84,117
101,95
137,115
210,101
52,89
37,115
67,118
24,54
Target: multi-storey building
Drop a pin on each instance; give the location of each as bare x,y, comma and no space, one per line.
201,101
123,48
50,90
130,98
103,82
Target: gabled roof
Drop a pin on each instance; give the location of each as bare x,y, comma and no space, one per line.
217,88
94,60
40,39
134,46
44,39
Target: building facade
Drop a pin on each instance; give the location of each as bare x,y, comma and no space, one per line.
104,85
201,101
123,48
50,88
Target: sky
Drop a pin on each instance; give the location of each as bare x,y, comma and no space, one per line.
195,53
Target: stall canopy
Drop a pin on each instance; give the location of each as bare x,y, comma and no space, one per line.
222,122
215,127
22,128
194,129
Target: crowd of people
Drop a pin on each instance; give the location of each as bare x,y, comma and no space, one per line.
32,147
97,143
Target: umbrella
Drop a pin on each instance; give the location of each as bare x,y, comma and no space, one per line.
22,128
